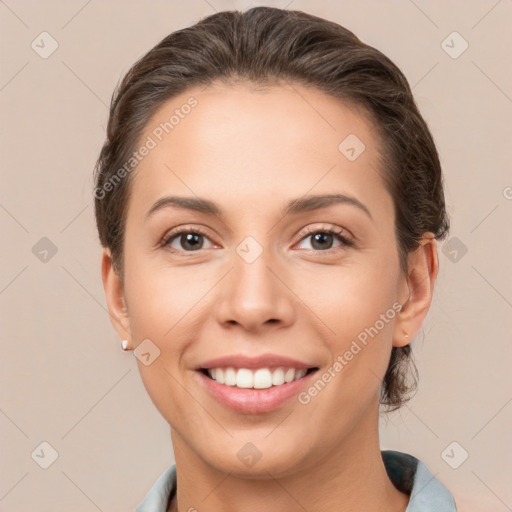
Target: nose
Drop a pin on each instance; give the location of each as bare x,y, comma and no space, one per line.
255,295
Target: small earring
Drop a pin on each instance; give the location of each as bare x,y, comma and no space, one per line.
124,344
406,335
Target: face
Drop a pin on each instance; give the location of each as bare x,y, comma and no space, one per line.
263,278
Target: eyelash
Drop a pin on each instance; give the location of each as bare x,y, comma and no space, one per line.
339,233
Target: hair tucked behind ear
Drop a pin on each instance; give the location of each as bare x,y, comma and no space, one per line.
266,46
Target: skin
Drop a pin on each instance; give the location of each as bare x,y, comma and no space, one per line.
251,152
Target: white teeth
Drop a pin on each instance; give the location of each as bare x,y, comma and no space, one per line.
244,378
230,377
219,375
278,377
289,375
262,378
300,373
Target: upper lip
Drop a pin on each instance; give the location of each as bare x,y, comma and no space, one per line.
261,361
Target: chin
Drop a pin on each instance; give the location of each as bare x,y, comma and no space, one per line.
257,459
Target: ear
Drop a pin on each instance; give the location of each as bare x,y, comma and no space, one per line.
114,294
416,290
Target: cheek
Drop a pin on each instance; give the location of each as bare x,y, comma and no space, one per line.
159,298
359,316
356,307
346,299
161,305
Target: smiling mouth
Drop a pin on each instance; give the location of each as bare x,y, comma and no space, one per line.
261,378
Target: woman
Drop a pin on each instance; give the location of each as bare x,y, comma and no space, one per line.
269,200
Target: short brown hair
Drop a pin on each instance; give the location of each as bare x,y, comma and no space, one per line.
265,46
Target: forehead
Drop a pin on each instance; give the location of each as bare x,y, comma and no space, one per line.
227,141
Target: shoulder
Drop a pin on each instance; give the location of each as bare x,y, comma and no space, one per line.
160,493
413,477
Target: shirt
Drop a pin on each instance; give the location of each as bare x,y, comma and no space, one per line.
408,474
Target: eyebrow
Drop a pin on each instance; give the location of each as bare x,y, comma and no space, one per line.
294,207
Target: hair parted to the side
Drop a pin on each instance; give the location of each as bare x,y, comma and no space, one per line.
266,46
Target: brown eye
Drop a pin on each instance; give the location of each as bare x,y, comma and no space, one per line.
185,240
323,239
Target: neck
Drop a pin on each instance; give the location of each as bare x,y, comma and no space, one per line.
350,477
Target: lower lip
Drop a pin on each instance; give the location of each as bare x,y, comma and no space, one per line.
253,401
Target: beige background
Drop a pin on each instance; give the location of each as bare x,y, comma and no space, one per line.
64,378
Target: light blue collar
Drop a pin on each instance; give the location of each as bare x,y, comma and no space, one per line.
406,472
